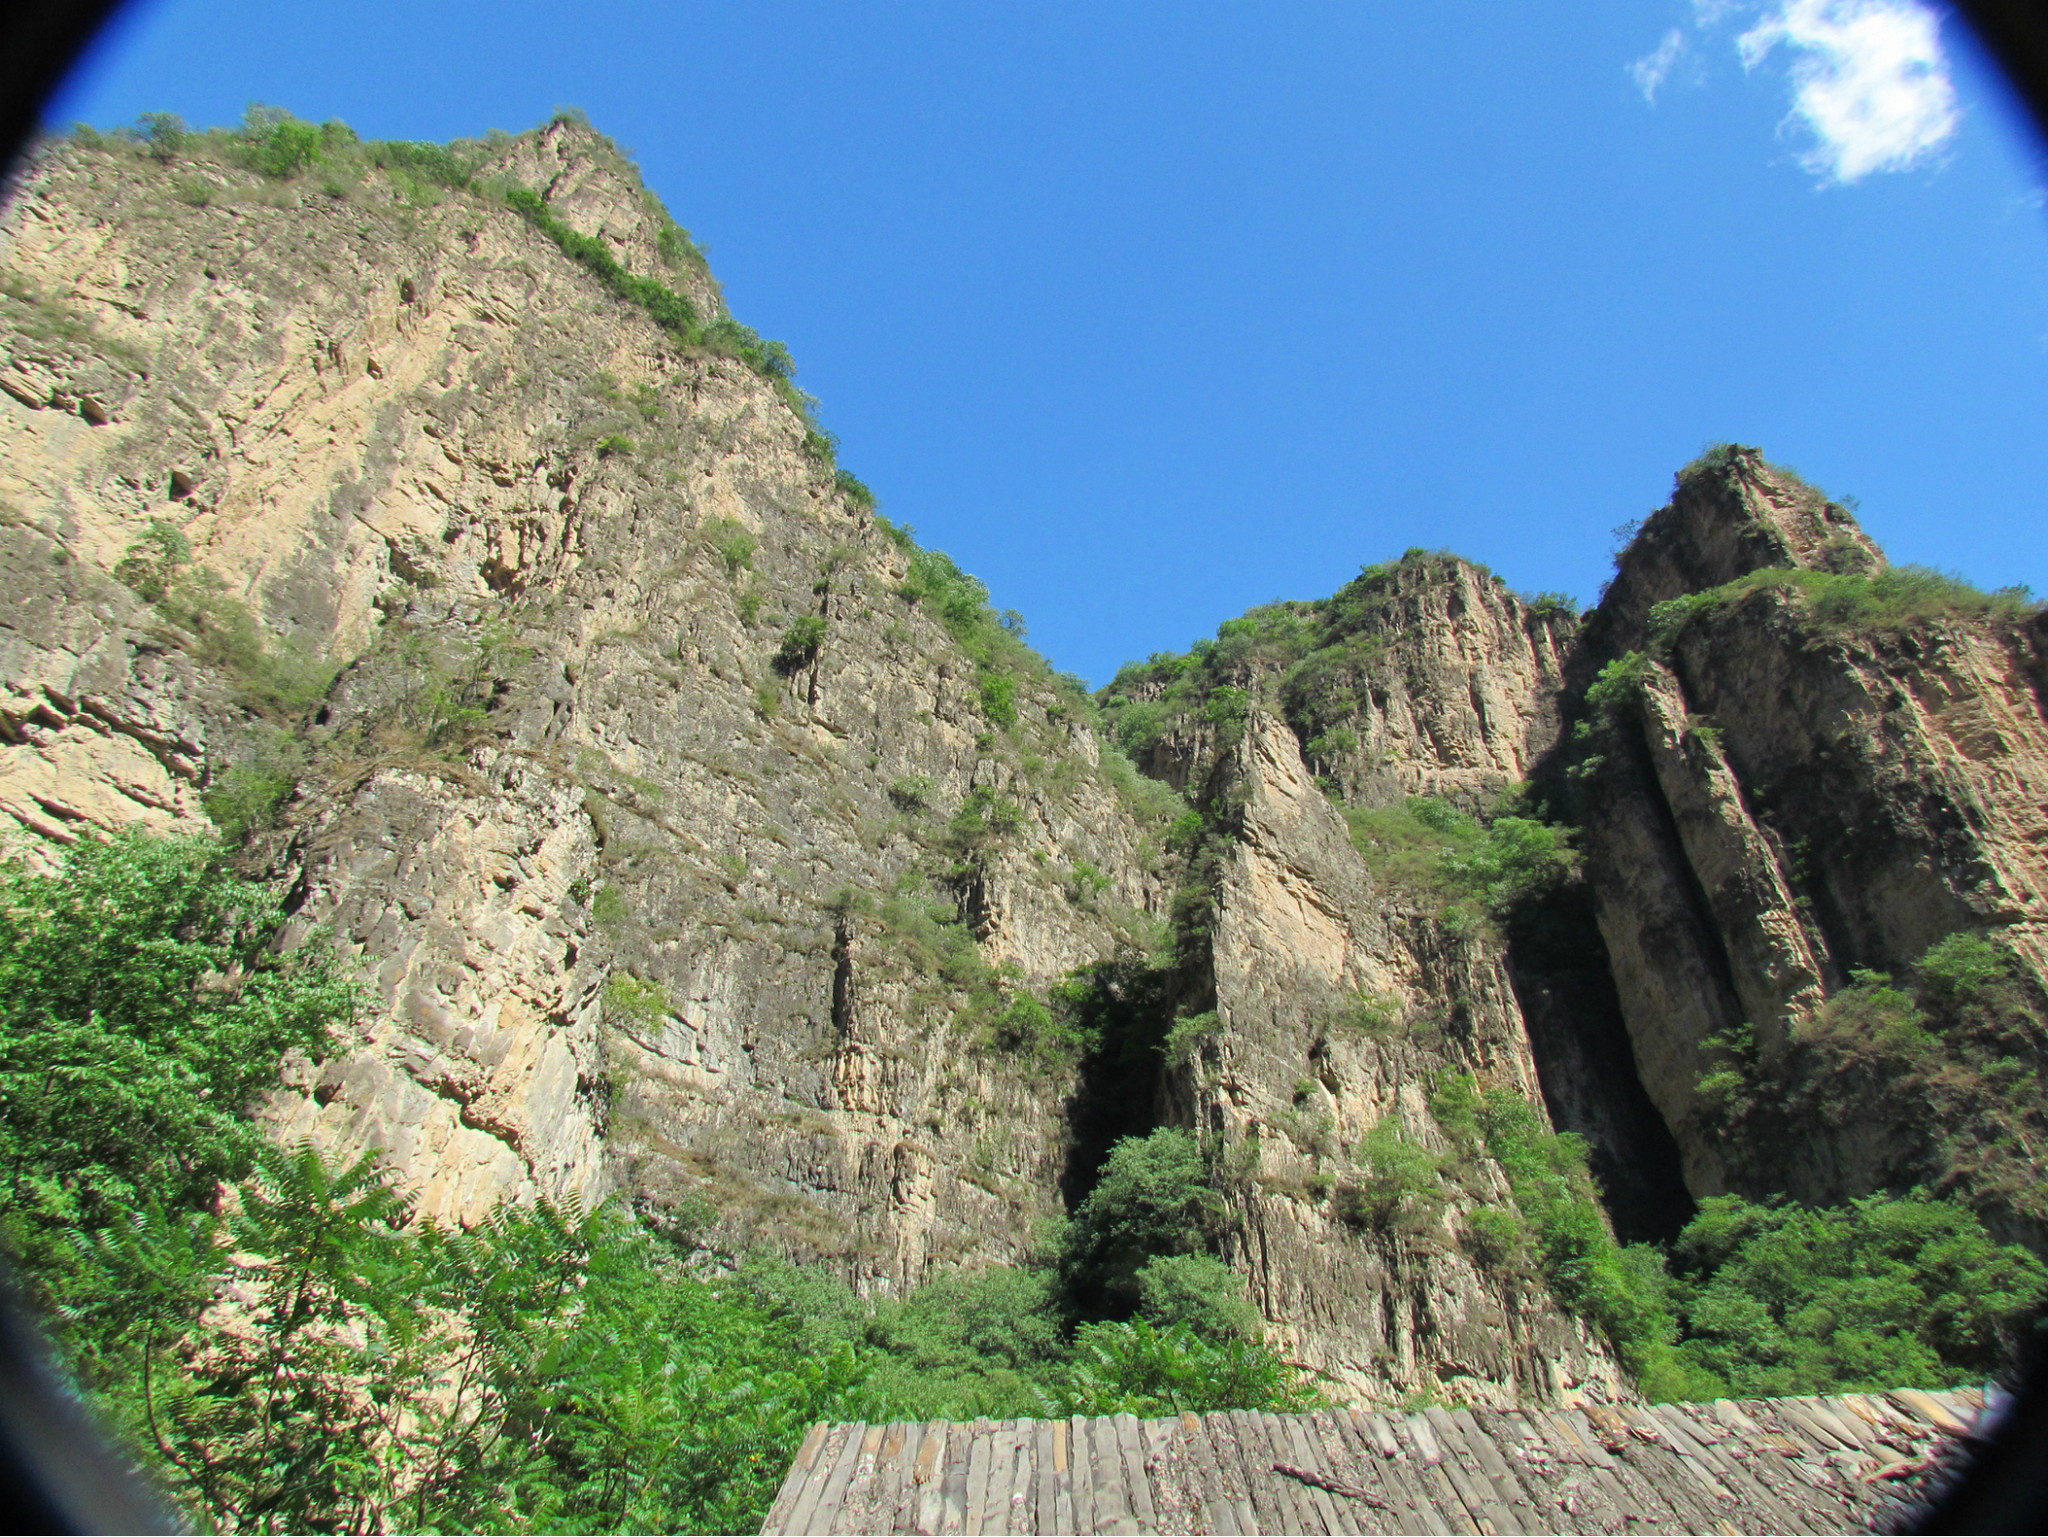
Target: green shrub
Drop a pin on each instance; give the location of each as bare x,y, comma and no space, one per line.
1190,1038
142,1011
248,796
1884,1293
800,643
1497,1238
1133,1368
608,907
165,134
635,1001
854,489
1199,1293
1399,1188
1963,967
1850,602
1151,1198
1027,1028
616,446
912,792
219,629
1622,1292
1618,687
732,544
960,1346
999,698
154,561
985,817
1871,1012
1368,1014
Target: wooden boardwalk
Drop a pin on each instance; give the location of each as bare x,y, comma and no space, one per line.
1757,1465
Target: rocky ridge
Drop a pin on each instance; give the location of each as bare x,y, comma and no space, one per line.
704,842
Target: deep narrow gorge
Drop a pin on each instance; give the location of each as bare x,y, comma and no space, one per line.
437,537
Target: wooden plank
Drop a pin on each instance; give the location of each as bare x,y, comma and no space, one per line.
1226,1433
1627,1495
794,1480
1757,1504
978,1452
1377,1441
1230,1473
1002,1479
1477,1500
1270,1505
884,1484
853,1514
1419,1432
1426,1458
1218,1514
1176,1479
1729,1413
1018,1517
1347,1456
953,1485
1687,1485
1136,1479
1106,1470
1065,1517
1535,1467
1845,1422
903,1515
1376,1428
1045,1482
1824,1436
832,1486
804,1517
1460,1434
1296,1499
1926,1406
929,1476
1084,1476
1285,1432
1508,1487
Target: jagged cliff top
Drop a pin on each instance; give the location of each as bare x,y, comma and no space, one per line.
1763,1465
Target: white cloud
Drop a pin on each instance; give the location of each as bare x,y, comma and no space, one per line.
1870,81
1654,68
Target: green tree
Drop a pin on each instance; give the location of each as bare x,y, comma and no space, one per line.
1134,1368
143,1007
1152,1198
1885,1292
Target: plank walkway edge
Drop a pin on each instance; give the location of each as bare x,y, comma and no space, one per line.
1752,1465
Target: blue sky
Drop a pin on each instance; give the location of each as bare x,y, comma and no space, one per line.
1149,312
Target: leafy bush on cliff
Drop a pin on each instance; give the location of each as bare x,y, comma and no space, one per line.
1137,1368
1885,1292
142,1011
1152,1198
1897,598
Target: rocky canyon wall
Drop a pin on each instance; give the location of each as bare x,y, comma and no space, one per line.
704,843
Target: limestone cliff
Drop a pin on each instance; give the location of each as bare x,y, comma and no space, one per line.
618,867
435,532
1802,774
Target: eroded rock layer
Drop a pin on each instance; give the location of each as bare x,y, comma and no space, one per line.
703,842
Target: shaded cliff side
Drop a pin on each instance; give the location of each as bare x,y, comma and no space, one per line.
1801,773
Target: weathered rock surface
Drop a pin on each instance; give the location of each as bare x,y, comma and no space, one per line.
504,648
1300,931
1788,800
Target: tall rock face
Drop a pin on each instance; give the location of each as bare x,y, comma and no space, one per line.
1800,771
433,532
1349,994
655,888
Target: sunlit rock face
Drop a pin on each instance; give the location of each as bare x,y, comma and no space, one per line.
493,642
